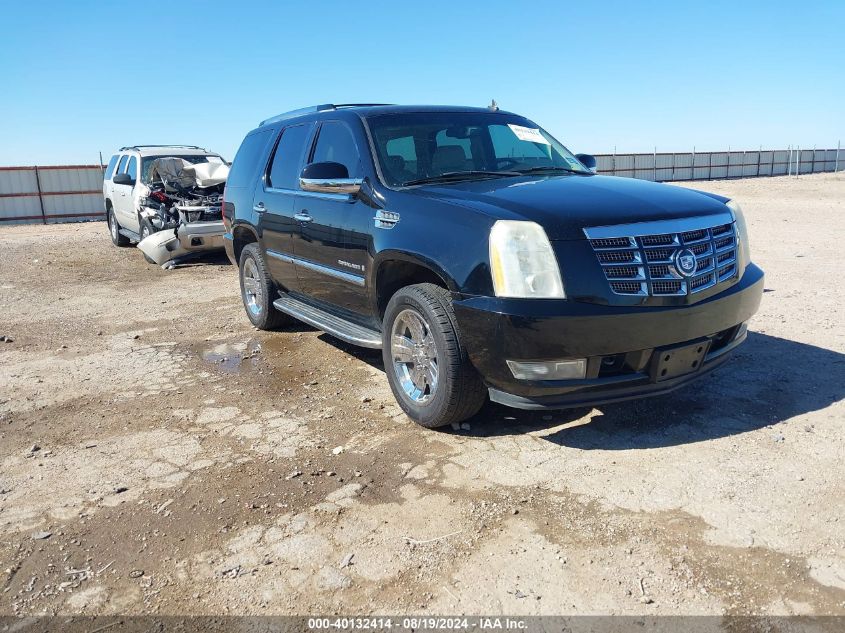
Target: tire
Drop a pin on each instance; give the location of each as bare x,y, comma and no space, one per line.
432,378
258,290
145,229
114,229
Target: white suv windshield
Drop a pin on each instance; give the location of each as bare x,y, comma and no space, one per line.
426,145
147,161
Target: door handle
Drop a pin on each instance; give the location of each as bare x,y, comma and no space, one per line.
303,216
259,208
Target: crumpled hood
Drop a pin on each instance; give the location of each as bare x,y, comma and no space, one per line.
565,205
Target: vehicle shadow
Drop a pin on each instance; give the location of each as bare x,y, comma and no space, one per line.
210,258
769,380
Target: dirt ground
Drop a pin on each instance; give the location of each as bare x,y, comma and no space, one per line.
161,456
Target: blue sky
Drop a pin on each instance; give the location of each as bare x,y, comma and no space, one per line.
82,77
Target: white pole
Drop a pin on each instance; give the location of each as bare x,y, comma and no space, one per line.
836,164
655,163
798,162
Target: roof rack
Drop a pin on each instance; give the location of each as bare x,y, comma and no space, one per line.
168,145
317,108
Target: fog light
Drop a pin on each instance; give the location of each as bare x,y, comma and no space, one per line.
548,370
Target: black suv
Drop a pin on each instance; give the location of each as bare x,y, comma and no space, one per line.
484,258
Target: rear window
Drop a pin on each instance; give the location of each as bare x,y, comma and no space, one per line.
284,173
247,158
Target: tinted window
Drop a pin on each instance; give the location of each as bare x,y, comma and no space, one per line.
247,158
337,145
284,174
416,145
132,168
121,166
443,139
506,144
110,168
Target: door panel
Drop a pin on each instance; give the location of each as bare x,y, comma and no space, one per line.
130,212
274,202
277,228
122,195
325,269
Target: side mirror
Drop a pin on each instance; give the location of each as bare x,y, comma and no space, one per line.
328,177
588,160
123,179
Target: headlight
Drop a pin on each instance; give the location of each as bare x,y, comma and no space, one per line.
741,228
522,261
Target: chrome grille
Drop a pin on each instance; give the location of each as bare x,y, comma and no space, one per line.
640,259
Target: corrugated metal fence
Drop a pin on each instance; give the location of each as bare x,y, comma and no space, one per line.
68,193
55,193
666,167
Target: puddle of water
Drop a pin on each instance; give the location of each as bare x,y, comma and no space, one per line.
233,358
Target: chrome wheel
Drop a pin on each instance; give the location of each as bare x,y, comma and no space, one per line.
252,287
414,356
113,226
145,232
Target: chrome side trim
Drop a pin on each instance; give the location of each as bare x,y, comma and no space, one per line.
658,227
358,280
340,197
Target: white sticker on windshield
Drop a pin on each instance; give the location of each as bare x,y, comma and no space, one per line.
528,134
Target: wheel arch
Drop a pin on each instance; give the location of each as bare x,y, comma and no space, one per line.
242,234
393,270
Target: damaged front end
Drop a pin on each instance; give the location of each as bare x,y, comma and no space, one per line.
183,206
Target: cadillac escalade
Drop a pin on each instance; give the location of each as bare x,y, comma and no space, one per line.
484,258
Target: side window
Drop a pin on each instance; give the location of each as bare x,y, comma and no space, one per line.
247,158
336,144
110,168
121,166
132,168
284,172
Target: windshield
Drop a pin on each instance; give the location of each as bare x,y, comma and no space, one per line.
420,146
147,162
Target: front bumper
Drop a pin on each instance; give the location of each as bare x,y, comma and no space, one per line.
229,247
618,341
194,237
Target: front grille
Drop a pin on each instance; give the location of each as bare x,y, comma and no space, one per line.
627,287
625,272
647,264
617,257
666,287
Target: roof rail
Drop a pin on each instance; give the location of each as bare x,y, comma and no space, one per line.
168,145
317,108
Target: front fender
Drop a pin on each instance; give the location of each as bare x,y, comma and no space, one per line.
412,258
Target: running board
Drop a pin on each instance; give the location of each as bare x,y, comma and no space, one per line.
132,235
329,323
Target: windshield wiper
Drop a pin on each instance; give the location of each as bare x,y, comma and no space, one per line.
531,170
460,175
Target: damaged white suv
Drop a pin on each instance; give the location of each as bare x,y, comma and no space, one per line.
166,199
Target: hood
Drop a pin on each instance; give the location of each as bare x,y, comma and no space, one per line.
564,205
